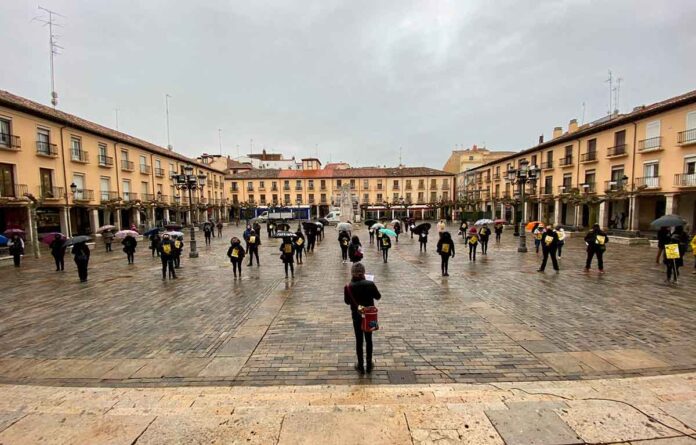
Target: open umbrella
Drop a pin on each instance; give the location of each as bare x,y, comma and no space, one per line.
324,221
669,221
3,240
76,239
377,226
396,221
173,226
173,233
10,232
424,227
483,221
530,225
106,228
344,227
310,227
387,232
48,238
152,231
370,222
125,233
284,234
499,221
282,227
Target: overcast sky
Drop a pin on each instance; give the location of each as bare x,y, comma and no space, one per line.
357,79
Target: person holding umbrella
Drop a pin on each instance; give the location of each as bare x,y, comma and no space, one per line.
385,244
397,230
423,240
57,247
108,236
358,294
178,248
596,241
663,237
219,228
236,255
299,245
207,232
311,238
464,228
560,231
355,250
484,234
253,244
16,248
445,247
379,235
549,246
472,239
680,238
129,244
167,251
498,228
81,254
343,242
287,255
155,241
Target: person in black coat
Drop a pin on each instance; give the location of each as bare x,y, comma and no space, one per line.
207,232
596,241
167,252
311,239
498,232
287,255
129,245
80,253
253,244
355,253
445,247
16,248
423,240
343,242
178,248
484,234
155,241
236,255
372,235
360,293
549,247
57,247
385,244
681,239
299,246
663,237
397,230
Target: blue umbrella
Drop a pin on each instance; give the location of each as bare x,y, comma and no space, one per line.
152,231
388,232
3,240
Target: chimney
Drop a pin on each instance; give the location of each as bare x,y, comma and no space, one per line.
474,148
573,126
557,132
541,139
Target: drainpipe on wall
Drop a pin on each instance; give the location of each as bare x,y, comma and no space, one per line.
632,198
65,183
118,187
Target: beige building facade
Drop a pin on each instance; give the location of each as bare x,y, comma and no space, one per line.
622,171
81,175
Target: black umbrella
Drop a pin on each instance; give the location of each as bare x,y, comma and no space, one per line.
310,227
173,226
370,222
424,227
324,221
669,221
282,226
283,234
76,240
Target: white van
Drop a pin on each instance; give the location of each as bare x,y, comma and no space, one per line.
334,217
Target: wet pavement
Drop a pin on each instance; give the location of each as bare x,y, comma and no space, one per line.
490,321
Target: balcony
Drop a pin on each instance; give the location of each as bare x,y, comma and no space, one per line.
298,188
547,190
10,142
652,182
127,166
651,144
588,187
234,190
548,165
105,161
159,172
164,199
617,151
17,191
496,177
286,188
148,197
421,187
274,188
566,161
685,180
565,189
46,149
590,156
408,187
83,195
145,169
106,196
51,193
79,156
687,137
129,196
614,186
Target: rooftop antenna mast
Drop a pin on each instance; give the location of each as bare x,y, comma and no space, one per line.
53,45
610,80
116,110
220,139
166,106
617,95
582,121
400,148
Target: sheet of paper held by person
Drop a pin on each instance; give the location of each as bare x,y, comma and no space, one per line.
369,277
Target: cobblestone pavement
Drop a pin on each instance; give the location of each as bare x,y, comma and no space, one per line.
658,410
493,320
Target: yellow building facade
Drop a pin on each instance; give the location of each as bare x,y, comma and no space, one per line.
622,171
78,175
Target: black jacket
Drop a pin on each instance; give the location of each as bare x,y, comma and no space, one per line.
80,252
549,241
344,240
167,244
449,251
592,240
129,244
240,252
57,248
363,292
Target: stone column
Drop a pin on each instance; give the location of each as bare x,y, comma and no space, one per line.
525,212
603,218
671,204
493,210
64,215
540,211
502,211
557,212
94,220
577,210
165,214
136,217
151,216
634,211
117,219
188,217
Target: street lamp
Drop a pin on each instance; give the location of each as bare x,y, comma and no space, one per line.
521,176
190,182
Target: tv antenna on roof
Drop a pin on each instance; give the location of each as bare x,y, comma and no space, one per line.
617,95
610,80
53,45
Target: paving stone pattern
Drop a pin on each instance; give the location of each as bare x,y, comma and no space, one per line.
493,320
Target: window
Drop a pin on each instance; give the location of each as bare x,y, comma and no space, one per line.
445,196
433,183
620,138
7,180
172,169
592,146
652,130
298,198
420,197
124,155
75,149
311,197
298,184
310,184
567,182
158,164
617,173
323,196
46,177
125,186
433,196
79,181
286,185
275,198
549,156
262,198
144,188
366,184
102,151
274,186
471,158
105,188
408,184
338,183
143,161
548,185
396,185
251,198
379,184
352,184
366,197
323,186
408,196
43,141
395,197
287,199
261,185
421,183
534,159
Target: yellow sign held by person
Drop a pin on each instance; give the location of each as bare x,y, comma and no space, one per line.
672,251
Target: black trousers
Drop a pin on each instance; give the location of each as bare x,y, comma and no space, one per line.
600,258
672,269
253,252
108,247
168,264
344,253
220,232
560,250
17,259
385,254
372,237
60,262
359,336
472,252
484,246
291,266
298,255
444,264
237,266
497,237
82,269
554,261
310,245
207,238
131,257
177,261
423,246
537,244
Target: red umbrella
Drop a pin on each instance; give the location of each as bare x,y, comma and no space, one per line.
48,238
10,232
499,221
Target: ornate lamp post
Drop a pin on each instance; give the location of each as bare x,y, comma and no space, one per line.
521,176
189,181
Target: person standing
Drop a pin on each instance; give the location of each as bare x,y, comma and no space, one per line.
561,240
484,234
269,229
678,237
379,235
386,245
693,251
219,228
167,252
397,230
472,240
445,247
178,248
287,255
537,231
355,250
358,294
441,227
423,240
498,228
236,255
129,245
464,229
155,241
299,246
311,240
253,244
663,237
16,248
81,253
344,241
57,247
372,235
207,232
596,241
549,245
257,227
108,237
